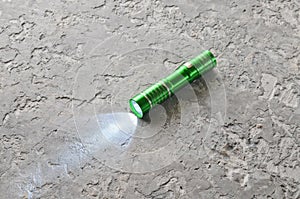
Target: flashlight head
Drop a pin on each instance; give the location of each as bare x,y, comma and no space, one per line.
135,108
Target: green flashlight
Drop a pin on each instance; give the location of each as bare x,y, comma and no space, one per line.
164,89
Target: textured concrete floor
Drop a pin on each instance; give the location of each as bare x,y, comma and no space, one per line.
67,66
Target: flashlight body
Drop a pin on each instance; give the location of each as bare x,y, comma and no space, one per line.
183,75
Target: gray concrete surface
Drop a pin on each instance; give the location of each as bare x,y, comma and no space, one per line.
67,66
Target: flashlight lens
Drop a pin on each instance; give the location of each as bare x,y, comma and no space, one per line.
136,109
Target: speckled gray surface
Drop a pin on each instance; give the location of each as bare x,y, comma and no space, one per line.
68,67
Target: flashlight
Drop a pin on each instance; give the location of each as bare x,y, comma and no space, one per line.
164,89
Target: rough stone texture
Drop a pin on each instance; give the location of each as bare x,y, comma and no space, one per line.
52,68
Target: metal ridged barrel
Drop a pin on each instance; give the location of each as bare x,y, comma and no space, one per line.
161,91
